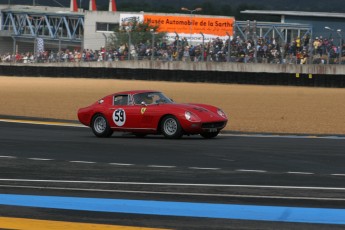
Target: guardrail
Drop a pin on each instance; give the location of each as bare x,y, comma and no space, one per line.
313,69
233,73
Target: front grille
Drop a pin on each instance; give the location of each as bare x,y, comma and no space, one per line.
213,125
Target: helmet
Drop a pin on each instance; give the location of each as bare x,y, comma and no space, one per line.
148,99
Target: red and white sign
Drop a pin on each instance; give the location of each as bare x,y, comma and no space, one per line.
192,27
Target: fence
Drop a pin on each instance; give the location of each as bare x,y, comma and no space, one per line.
259,50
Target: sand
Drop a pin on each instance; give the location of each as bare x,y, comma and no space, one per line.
267,109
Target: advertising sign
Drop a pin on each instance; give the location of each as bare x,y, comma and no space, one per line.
127,19
191,27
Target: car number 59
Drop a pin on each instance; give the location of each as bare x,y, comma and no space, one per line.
119,117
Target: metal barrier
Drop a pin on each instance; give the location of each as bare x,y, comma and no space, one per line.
178,71
260,50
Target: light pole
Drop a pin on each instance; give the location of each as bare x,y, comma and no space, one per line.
129,42
340,44
255,38
191,18
57,36
203,47
178,40
329,28
177,45
229,47
105,40
153,44
14,46
331,35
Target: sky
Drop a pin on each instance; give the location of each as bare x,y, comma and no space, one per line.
299,5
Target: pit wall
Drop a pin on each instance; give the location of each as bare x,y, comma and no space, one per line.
234,73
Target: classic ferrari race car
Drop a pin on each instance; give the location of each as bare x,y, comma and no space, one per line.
143,112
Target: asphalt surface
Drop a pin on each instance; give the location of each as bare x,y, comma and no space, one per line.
230,169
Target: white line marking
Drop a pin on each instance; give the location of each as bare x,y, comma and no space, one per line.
178,184
230,160
10,157
251,170
53,123
302,173
161,166
337,174
40,159
176,193
83,162
168,166
198,168
121,164
284,136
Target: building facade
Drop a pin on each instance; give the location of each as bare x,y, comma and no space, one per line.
23,28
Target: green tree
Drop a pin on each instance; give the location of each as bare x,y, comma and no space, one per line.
135,32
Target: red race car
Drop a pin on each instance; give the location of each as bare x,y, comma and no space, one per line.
143,112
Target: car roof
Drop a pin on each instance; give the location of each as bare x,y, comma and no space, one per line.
136,91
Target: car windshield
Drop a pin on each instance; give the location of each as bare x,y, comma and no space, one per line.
151,98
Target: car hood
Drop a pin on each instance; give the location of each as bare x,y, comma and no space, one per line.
205,112
193,107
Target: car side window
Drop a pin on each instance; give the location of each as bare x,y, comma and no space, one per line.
121,100
137,99
143,98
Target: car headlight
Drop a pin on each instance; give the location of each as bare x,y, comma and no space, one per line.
221,113
191,117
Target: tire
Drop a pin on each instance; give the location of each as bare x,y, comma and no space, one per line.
209,135
100,126
171,128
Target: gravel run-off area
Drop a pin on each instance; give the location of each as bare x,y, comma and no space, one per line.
263,109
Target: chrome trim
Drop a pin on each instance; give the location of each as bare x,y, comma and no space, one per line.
133,128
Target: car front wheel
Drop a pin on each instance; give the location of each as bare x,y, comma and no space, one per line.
100,126
171,128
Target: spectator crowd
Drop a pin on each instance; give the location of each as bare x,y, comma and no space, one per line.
302,50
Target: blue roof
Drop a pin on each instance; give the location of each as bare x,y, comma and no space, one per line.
295,13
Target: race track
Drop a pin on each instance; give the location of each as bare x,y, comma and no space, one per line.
270,173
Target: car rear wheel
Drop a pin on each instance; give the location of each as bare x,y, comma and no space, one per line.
209,135
171,128
100,126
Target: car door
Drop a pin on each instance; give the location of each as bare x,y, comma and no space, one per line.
149,116
124,114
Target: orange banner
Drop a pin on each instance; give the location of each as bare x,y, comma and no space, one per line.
192,25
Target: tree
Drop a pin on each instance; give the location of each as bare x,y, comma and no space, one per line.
136,32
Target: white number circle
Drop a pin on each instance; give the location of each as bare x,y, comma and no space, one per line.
119,117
